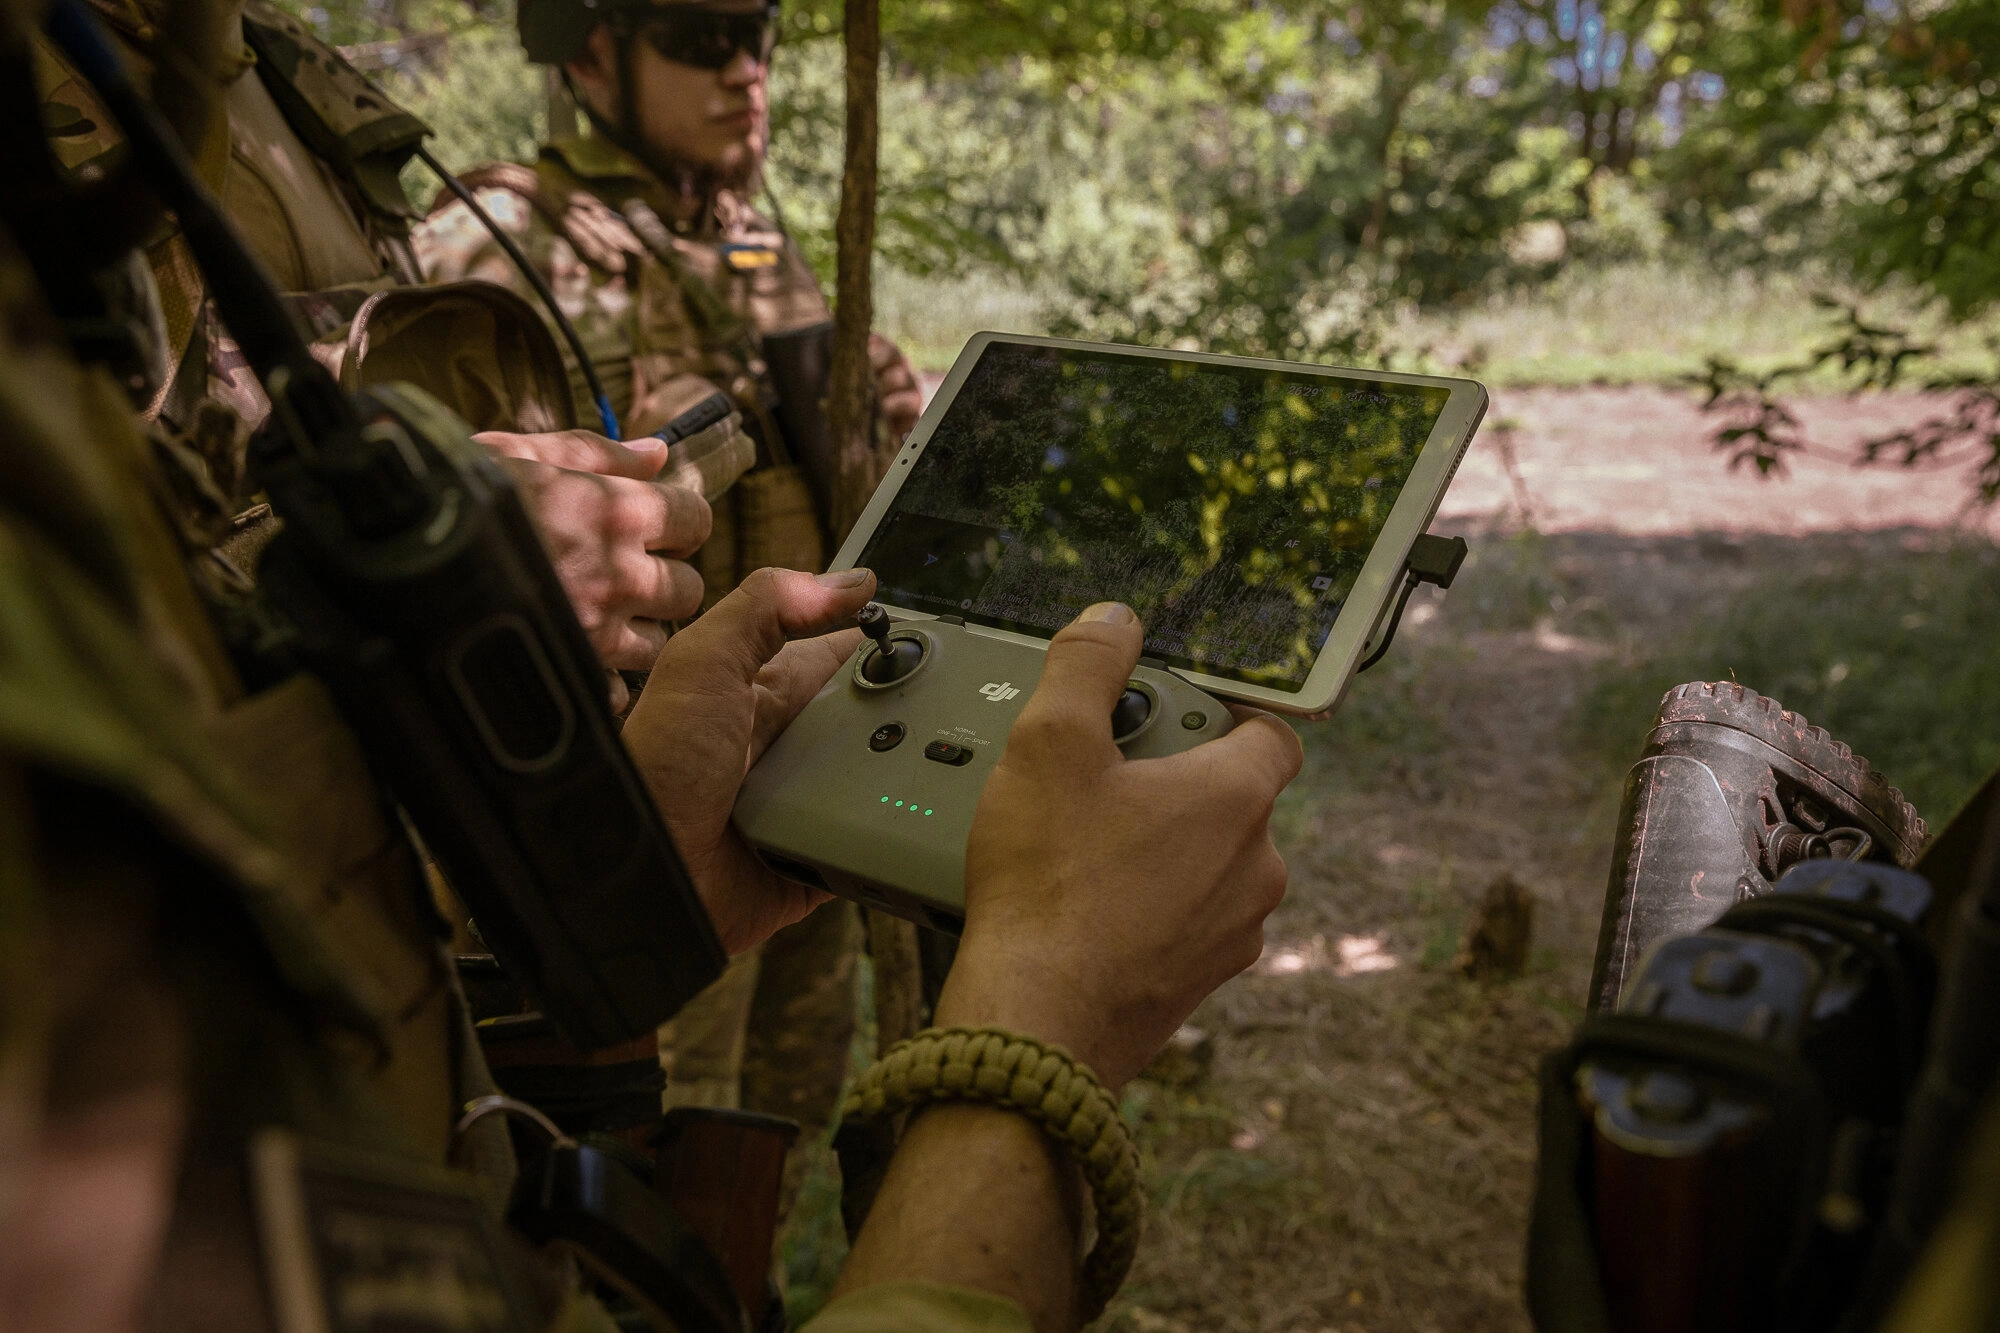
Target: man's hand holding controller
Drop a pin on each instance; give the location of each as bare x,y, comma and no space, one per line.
1105,898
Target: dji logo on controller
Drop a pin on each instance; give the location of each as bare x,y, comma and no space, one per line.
999,692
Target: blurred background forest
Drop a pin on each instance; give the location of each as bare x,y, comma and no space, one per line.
1549,191
1612,211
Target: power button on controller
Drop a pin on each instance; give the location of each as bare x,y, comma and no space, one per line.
947,753
887,737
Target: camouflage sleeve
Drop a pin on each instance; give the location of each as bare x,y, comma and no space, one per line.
453,245
920,1307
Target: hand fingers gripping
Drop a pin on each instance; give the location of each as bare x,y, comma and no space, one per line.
1261,753
630,644
791,679
1231,784
1252,765
893,374
581,451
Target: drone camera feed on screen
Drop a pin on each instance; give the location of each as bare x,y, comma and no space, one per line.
1231,506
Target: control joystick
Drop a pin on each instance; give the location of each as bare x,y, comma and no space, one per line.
892,659
1130,712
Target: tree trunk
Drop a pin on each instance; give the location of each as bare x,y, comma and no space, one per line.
850,407
899,998
1392,112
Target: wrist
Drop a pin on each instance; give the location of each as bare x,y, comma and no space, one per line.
1032,998
1049,1091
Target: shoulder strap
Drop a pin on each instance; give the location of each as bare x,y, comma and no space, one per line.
339,114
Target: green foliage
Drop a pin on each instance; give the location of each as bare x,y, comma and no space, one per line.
487,104
1880,120
1075,37
1278,179
1759,428
1932,212
475,88
954,195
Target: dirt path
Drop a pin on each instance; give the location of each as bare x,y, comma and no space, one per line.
1640,460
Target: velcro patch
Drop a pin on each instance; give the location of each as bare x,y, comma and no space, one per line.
745,258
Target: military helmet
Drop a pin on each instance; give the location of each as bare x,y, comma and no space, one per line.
554,32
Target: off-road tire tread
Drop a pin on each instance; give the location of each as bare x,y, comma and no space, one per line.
1728,704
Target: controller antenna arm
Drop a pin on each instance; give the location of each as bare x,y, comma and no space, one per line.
1432,560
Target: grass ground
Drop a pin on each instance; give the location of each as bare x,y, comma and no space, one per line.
1358,1155
1623,324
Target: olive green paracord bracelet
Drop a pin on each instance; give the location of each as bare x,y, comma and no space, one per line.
995,1067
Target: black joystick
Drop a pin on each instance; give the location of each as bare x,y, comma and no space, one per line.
892,659
1129,713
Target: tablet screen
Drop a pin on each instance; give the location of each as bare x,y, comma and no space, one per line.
1231,507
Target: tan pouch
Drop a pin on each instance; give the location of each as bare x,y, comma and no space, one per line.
776,522
475,346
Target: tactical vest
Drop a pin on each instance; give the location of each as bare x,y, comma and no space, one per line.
670,312
115,676
303,824
307,167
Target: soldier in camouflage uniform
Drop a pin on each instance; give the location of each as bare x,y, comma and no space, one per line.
304,154
179,992
678,286
217,968
216,963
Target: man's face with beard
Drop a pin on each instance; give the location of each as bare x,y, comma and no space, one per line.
713,122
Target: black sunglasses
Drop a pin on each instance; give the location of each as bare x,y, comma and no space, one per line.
709,38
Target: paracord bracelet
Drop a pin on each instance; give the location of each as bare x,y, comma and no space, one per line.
1042,1081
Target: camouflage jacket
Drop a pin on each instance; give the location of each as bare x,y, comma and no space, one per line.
202,890
657,306
205,903
668,313
305,156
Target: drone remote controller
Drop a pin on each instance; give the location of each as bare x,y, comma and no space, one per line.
870,792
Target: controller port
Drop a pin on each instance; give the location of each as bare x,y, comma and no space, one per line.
793,870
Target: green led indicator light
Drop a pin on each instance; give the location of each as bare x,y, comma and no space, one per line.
913,807
899,805
885,800
926,812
